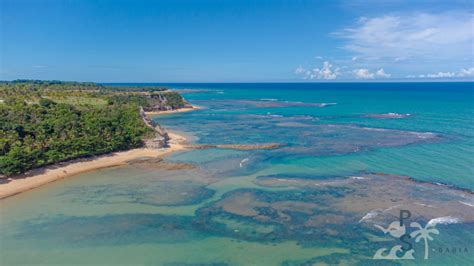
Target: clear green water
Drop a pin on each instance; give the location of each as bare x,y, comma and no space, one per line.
293,205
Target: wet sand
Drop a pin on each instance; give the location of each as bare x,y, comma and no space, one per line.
44,175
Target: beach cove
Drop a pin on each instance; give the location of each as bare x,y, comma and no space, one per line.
42,176
328,174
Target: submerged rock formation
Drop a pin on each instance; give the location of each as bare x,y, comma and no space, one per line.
160,138
260,146
159,163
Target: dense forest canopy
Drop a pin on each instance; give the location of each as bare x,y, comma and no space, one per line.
44,122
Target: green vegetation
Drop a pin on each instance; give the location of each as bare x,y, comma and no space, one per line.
44,122
166,100
80,100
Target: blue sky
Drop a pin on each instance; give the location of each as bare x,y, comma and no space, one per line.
236,41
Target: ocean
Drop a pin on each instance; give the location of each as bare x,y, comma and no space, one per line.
352,157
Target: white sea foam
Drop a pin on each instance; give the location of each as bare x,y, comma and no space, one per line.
286,180
370,215
358,177
424,205
243,161
269,99
389,115
326,104
270,114
424,135
375,129
444,220
396,115
470,204
391,208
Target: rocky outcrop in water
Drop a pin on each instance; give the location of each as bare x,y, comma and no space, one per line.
160,138
159,163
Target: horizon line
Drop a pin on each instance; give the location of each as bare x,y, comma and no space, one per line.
250,82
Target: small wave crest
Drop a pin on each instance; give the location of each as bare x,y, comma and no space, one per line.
444,220
358,177
370,215
326,104
470,204
243,162
424,135
271,115
388,115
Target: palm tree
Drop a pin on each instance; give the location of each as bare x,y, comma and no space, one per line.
423,233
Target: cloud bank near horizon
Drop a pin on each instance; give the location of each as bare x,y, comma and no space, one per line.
408,45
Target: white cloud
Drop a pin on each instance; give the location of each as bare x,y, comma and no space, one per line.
381,73
300,70
442,75
463,73
363,73
326,72
469,72
399,59
407,43
430,36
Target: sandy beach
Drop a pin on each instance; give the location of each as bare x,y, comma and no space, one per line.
181,110
44,175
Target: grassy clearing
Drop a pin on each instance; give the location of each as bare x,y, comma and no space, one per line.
78,100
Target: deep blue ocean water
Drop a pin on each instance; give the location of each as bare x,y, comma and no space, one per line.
351,156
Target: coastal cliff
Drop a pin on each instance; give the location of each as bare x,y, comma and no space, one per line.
164,101
160,137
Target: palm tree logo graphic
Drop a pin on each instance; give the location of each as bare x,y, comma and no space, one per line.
399,231
423,233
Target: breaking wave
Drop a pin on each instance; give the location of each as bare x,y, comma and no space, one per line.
444,220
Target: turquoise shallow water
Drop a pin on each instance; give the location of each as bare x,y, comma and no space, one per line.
349,154
444,108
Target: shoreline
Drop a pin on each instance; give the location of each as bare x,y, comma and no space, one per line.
44,175
180,110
